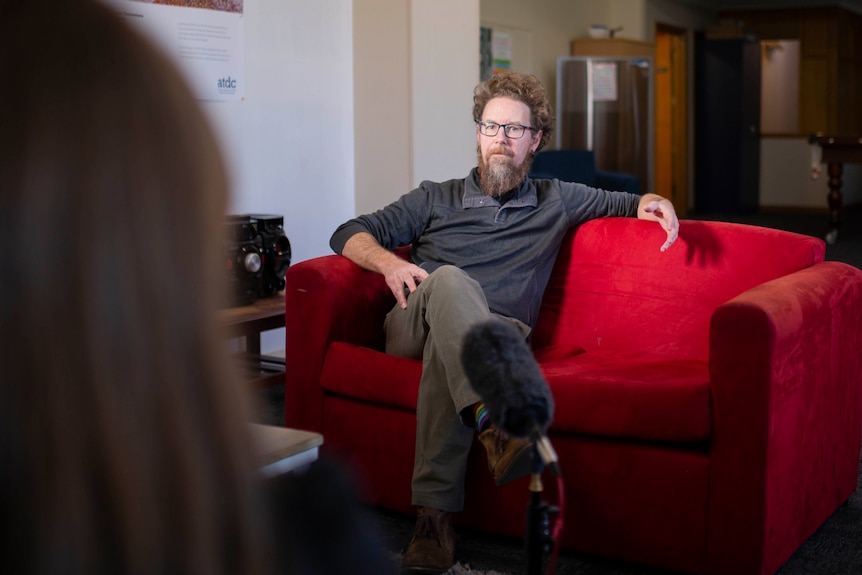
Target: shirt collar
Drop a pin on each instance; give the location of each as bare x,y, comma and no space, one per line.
475,198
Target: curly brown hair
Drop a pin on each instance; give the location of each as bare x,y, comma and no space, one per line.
524,88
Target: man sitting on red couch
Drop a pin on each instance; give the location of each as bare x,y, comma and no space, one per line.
481,246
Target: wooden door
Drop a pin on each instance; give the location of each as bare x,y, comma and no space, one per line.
671,117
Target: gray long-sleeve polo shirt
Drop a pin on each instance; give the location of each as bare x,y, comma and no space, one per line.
509,249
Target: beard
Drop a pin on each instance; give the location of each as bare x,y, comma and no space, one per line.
501,175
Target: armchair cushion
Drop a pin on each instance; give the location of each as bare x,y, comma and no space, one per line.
384,379
620,395
604,394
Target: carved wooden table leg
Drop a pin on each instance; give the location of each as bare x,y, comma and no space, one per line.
836,170
834,151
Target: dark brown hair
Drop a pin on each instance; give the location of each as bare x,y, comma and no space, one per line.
522,88
122,433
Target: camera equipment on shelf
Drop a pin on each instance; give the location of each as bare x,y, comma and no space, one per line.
257,256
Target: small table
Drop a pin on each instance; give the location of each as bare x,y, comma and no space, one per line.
284,450
248,322
835,151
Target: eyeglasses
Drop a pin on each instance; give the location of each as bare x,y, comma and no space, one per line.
513,131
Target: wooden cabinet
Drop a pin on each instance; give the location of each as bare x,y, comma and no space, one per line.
611,47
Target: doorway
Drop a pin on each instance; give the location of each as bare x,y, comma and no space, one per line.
671,116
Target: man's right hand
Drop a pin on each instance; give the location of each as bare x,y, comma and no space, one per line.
401,276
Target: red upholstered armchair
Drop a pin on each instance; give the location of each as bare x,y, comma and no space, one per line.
708,399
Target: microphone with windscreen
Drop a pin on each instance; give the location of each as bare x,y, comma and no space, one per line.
502,370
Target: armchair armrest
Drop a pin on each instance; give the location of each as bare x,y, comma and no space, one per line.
618,182
327,299
787,413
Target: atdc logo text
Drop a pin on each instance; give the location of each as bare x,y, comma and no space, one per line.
227,85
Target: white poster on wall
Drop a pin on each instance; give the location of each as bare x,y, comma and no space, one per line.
204,37
604,82
501,52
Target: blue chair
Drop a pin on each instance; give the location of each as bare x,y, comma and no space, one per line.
580,166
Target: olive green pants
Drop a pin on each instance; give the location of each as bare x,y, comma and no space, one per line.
445,306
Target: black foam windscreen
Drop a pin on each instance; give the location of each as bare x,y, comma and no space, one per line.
502,370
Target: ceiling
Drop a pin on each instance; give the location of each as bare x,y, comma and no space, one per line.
721,5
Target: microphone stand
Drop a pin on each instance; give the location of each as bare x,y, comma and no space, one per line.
538,535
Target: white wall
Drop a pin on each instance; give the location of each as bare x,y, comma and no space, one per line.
542,30
381,83
445,69
630,15
415,63
289,145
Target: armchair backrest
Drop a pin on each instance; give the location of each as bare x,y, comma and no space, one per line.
580,166
567,165
613,289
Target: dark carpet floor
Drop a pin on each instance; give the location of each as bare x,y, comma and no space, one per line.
834,549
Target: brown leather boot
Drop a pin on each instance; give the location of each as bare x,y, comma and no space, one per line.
432,549
508,457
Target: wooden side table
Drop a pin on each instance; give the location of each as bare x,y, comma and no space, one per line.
835,151
248,322
282,449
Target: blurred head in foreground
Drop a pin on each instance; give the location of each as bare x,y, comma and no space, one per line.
122,434
124,440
